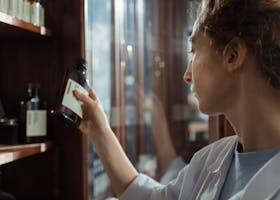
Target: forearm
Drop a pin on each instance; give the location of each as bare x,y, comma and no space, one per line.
167,154
119,169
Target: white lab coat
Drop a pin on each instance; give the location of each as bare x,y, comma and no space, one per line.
204,177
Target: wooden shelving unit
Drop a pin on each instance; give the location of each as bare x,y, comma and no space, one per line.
30,53
13,27
10,153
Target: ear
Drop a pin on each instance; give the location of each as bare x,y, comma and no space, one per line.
234,54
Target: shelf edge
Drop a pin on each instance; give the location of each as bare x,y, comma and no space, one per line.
18,23
15,152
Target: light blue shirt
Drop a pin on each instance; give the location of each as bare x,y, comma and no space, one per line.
243,167
203,178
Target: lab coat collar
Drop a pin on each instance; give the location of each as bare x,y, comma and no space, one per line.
225,157
217,171
266,182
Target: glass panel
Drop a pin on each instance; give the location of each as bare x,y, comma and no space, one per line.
98,53
137,48
148,47
148,72
130,95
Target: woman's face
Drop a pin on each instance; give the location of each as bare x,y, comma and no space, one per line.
208,75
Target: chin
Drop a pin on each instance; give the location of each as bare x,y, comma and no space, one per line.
207,109
204,111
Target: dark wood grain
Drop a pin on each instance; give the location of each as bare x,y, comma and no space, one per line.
29,56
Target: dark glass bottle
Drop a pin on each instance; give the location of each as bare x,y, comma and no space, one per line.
33,116
69,108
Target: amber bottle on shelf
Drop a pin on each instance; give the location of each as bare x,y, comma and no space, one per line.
69,108
33,116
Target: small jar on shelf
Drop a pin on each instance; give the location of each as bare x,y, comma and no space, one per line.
26,11
19,9
37,13
4,6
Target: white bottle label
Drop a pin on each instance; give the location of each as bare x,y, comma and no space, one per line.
69,100
36,123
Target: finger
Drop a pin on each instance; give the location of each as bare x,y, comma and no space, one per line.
82,126
82,97
92,94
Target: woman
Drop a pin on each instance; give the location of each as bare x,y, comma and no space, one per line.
235,70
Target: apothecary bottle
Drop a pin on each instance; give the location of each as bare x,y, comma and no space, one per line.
33,116
70,108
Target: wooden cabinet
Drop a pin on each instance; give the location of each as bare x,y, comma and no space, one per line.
53,170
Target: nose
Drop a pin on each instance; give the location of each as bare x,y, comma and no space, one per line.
188,74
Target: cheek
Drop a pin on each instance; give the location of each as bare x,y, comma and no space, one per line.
200,75
210,87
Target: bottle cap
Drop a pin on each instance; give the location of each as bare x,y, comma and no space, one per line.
33,86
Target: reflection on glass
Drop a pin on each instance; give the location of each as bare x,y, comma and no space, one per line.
131,112
98,51
157,110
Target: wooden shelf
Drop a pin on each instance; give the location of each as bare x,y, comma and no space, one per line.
10,153
13,27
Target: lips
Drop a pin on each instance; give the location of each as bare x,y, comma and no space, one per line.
192,89
192,100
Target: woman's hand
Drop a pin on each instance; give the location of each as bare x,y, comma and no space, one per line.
94,121
95,124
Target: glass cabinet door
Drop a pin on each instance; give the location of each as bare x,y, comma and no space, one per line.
98,39
136,60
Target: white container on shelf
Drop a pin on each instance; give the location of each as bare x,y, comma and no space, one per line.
35,13
9,7
1,5
26,11
42,15
5,6
13,7
19,9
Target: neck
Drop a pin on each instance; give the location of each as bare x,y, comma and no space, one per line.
256,117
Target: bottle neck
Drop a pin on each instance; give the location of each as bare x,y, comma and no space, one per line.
82,71
33,93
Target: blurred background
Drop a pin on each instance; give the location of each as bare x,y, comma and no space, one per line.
136,52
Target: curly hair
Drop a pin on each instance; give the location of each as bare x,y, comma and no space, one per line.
257,22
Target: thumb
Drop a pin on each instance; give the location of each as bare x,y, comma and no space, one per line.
82,97
92,94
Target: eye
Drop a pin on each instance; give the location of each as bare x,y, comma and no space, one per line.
189,46
190,51
190,54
